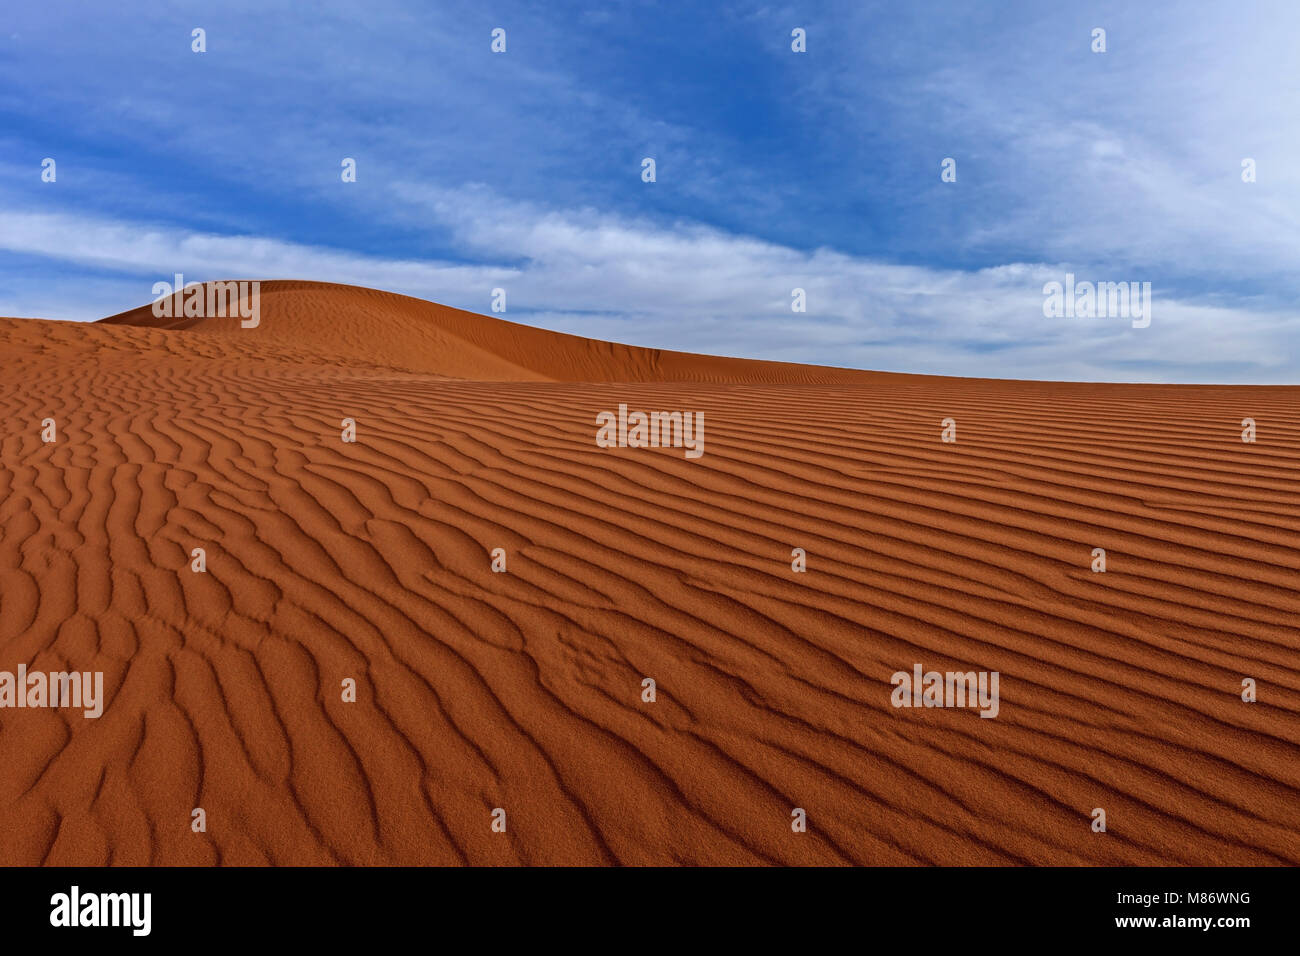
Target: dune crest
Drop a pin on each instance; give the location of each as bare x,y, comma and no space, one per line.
399,332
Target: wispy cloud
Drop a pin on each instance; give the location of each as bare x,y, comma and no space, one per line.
700,289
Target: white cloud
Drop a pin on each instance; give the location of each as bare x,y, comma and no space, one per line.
699,289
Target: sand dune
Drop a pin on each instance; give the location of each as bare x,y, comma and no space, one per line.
523,690
368,327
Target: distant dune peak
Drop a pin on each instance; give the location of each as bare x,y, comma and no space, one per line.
355,325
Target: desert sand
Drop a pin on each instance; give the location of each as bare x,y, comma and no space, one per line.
522,690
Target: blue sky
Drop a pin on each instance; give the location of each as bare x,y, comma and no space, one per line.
775,170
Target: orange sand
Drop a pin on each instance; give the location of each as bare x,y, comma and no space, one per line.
522,690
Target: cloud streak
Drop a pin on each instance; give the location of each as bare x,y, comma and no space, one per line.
596,274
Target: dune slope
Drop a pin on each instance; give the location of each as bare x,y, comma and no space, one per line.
369,327
371,561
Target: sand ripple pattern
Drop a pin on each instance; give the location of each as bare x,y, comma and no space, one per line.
522,690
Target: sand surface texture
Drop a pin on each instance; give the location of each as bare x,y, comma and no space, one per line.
522,690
